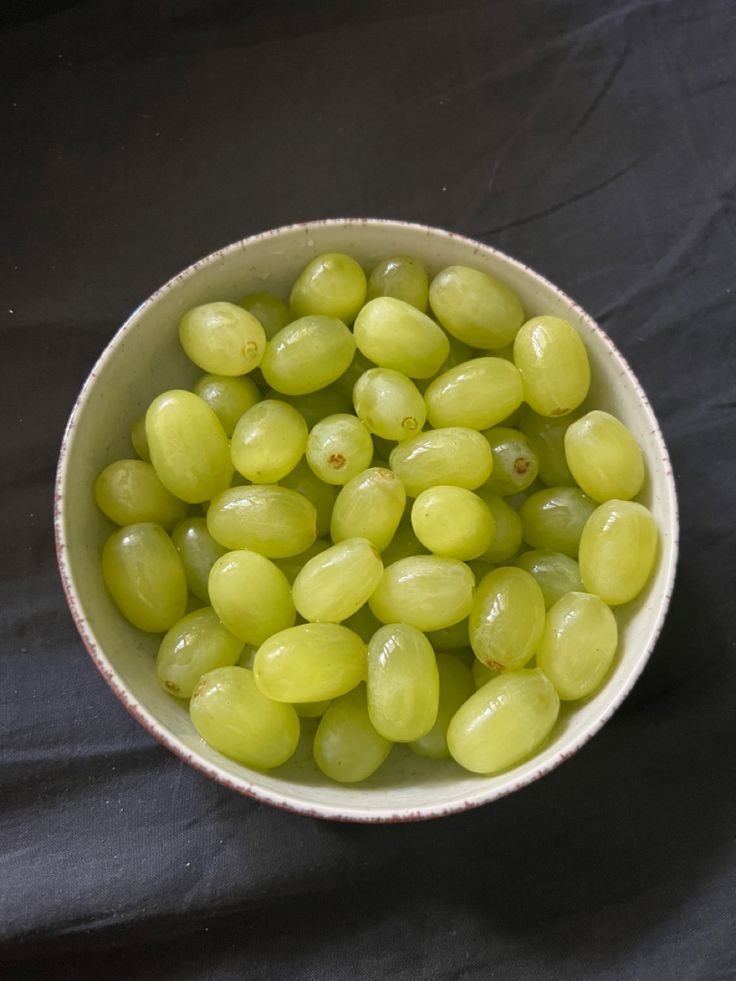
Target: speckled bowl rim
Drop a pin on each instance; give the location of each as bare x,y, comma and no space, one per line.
249,788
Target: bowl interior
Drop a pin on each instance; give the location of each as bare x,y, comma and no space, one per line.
144,358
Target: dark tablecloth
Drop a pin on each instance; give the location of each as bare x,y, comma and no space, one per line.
592,139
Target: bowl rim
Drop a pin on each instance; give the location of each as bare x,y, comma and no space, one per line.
346,813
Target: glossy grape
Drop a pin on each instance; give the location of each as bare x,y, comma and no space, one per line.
604,458
389,404
507,536
222,338
334,585
556,573
333,285
272,520
578,644
554,365
369,506
269,310
402,277
251,596
507,618
618,548
293,564
475,307
554,519
452,521
339,448
268,441
394,334
427,591
198,552
403,683
514,461
307,355
478,393
346,747
456,456
128,492
546,437
196,644
228,397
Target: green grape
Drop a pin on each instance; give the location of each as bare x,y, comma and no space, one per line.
456,686
455,456
334,585
604,458
195,645
307,355
332,285
237,720
478,394
272,520
128,492
271,312
617,551
459,354
578,644
222,338
251,596
554,366
504,721
339,448
403,545
346,746
316,405
547,438
228,397
369,506
554,519
346,382
389,404
198,552
312,710
268,442
323,496
476,308
189,448
402,277
293,565
507,618
452,521
507,538
514,461
556,573
403,683
452,638
482,673
247,657
143,573
363,623
396,335
428,592
310,663
139,439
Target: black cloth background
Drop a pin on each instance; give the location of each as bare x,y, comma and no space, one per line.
592,139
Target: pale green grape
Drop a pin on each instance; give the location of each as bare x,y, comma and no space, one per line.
507,537
346,746
143,573
316,405
195,645
556,573
139,439
456,686
363,623
333,285
334,585
578,644
402,277
396,335
453,638
482,673
369,506
547,438
251,596
198,552
554,366
617,551
272,520
504,721
404,544
189,448
346,382
459,354
323,496
507,618
429,592
310,663
554,519
312,710
604,458
479,394
389,404
237,720
339,448
228,397
293,565
307,355
268,441
269,310
403,683
514,461
128,492
222,338
455,456
476,308
452,521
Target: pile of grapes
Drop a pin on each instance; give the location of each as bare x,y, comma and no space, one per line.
404,523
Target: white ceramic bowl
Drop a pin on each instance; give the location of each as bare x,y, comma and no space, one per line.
144,358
